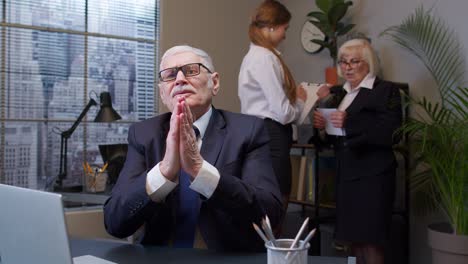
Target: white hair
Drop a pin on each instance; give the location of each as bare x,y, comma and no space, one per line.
365,49
205,58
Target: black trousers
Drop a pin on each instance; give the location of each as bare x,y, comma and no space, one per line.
280,147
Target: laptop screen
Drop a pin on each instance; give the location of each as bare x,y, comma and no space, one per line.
32,227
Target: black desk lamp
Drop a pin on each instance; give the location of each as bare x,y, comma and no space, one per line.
114,155
106,114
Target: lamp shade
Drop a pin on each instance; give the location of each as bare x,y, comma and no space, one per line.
106,112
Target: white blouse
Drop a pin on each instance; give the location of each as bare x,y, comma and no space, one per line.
261,90
367,82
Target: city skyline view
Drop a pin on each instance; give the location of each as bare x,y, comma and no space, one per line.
55,62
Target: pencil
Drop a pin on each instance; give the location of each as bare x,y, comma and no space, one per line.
304,244
296,240
308,237
104,167
259,232
90,170
268,231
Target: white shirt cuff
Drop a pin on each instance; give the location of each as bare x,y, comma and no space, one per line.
206,181
157,186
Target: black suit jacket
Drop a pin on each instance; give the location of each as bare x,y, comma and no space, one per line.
372,119
237,145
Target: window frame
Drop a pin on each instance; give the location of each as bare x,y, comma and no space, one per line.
5,26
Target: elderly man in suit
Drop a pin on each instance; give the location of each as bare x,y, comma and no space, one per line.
198,176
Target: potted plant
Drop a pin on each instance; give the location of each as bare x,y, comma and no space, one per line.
439,134
328,21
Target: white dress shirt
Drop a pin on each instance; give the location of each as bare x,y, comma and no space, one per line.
261,91
367,82
205,183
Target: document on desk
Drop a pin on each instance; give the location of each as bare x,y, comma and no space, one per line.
88,259
311,90
329,128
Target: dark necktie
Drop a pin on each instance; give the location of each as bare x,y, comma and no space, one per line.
187,211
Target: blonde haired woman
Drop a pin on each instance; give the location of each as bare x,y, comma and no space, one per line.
369,112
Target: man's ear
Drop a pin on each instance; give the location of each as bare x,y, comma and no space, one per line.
161,93
215,80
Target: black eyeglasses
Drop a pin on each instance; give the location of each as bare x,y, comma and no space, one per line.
189,70
351,63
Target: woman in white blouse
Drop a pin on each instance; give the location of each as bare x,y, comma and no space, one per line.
267,88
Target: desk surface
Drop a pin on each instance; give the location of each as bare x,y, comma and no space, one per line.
87,198
127,253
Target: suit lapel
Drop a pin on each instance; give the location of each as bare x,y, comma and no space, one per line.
214,138
339,94
163,136
361,99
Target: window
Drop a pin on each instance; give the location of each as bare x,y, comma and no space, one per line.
54,56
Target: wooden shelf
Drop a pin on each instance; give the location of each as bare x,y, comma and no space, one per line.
308,203
303,146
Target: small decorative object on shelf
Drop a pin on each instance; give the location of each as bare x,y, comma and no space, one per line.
95,178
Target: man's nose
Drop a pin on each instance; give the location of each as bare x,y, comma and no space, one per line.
180,78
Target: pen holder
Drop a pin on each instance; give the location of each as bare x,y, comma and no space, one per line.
279,254
96,181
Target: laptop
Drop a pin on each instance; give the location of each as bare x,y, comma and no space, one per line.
33,230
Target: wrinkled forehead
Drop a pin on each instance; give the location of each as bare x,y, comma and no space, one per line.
179,59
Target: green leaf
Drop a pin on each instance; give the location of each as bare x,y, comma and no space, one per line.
320,16
321,43
324,27
429,39
328,21
323,5
336,13
345,29
439,135
462,106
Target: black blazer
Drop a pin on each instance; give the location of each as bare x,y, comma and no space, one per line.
237,145
372,119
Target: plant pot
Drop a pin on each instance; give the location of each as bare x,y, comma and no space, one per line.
447,247
331,76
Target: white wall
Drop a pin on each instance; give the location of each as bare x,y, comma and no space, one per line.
220,27
371,18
